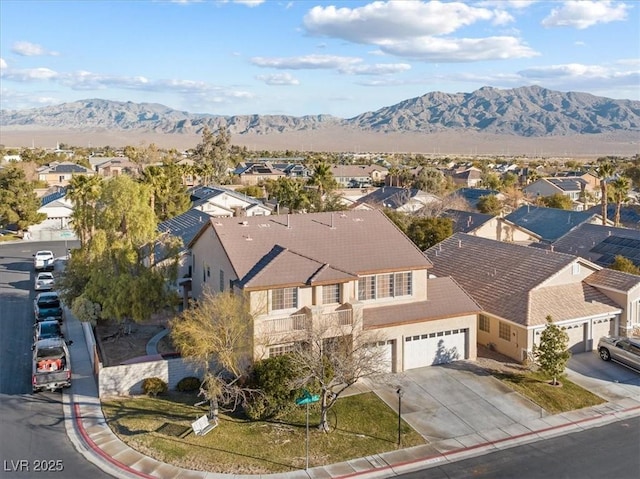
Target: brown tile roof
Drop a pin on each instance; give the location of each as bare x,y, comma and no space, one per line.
499,275
570,301
612,279
446,299
313,248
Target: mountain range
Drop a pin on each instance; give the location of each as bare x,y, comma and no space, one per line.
525,112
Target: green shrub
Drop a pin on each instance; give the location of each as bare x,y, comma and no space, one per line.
154,386
272,377
188,384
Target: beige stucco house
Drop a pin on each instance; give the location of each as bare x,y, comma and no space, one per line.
298,271
519,286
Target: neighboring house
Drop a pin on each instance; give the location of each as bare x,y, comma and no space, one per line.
573,187
517,287
490,227
600,244
473,195
358,176
60,174
629,214
116,166
350,269
57,225
218,201
253,173
549,224
406,200
467,177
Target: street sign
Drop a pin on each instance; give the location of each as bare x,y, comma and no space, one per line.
66,234
307,398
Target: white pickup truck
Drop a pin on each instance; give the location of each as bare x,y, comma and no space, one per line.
43,261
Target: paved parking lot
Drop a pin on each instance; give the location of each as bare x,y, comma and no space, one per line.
607,379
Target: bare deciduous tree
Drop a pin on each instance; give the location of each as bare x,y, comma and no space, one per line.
331,357
216,335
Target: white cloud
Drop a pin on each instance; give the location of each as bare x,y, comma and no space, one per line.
279,79
346,65
393,20
583,14
3,64
29,75
507,4
416,30
445,50
306,62
28,49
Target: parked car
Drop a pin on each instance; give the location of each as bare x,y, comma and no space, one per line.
51,365
43,260
624,350
47,306
47,330
44,282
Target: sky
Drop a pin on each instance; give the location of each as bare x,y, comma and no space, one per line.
308,57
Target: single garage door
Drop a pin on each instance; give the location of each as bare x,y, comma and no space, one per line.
435,348
577,337
601,327
384,353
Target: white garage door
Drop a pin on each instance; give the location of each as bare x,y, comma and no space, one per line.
577,337
384,353
434,348
601,327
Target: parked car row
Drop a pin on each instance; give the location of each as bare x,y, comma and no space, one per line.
51,362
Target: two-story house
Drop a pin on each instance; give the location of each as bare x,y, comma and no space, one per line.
350,176
60,174
348,268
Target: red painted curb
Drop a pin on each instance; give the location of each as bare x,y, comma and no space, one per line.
78,421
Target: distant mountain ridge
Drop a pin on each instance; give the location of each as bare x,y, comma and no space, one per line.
526,112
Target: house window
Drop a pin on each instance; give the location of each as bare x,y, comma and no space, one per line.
280,350
284,298
221,280
384,286
484,324
505,331
331,294
367,288
402,284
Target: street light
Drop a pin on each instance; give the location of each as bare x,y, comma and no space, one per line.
400,393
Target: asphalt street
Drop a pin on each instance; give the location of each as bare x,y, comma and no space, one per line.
611,451
33,438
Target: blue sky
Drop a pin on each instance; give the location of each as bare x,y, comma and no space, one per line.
309,57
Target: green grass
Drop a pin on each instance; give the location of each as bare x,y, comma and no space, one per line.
364,425
553,399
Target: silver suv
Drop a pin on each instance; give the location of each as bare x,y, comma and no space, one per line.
624,350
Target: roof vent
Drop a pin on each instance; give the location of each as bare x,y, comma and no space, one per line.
245,223
248,238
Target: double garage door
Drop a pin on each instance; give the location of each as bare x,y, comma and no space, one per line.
435,348
579,340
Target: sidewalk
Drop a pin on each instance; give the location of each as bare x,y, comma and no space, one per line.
92,437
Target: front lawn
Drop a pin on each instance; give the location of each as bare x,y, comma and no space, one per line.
364,425
553,399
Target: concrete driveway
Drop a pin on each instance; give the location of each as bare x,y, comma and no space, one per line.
461,401
607,379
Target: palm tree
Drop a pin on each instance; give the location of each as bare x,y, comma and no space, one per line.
322,177
84,192
604,172
621,187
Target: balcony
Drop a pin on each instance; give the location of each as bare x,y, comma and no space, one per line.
339,318
295,322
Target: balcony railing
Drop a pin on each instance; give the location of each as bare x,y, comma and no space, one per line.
295,322
339,318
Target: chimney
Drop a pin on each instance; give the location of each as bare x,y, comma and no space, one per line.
459,243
